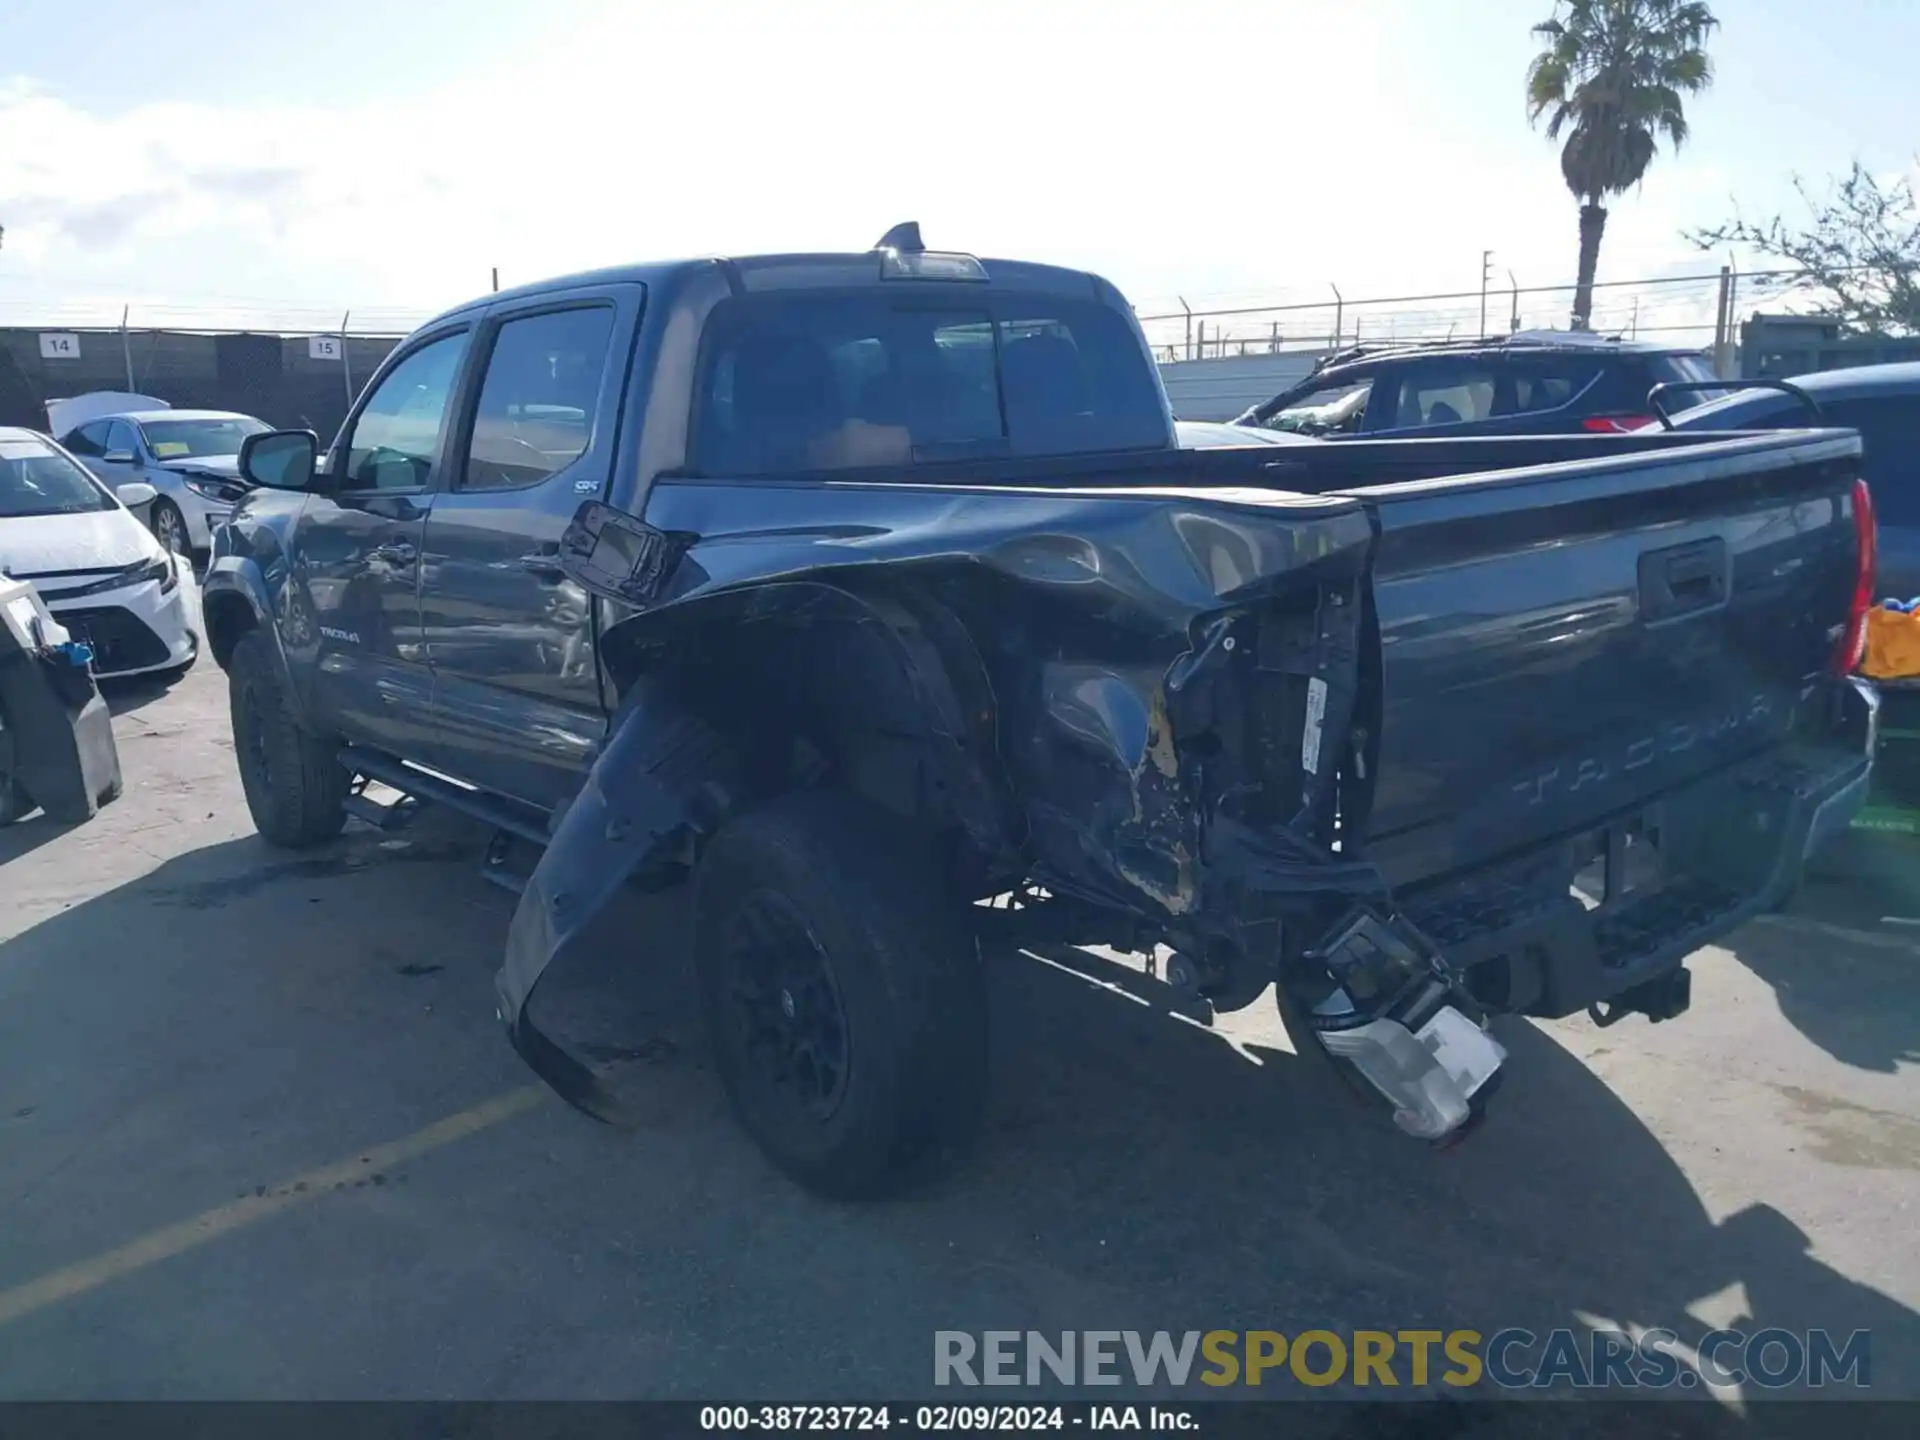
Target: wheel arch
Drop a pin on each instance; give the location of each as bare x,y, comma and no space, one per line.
235,598
870,687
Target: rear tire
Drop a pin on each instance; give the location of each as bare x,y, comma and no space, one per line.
842,991
294,785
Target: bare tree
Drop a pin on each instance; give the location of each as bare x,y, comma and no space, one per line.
1859,247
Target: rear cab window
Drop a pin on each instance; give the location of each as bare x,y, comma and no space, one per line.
821,381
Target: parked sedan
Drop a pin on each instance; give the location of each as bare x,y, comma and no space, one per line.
191,457
101,574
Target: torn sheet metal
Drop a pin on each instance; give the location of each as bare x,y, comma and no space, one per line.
1104,624
659,785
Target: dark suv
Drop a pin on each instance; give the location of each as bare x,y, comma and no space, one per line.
1538,383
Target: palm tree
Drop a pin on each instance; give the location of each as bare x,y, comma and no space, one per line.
1613,79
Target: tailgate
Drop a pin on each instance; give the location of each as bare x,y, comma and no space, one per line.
1566,643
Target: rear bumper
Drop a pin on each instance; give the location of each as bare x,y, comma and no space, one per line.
1727,848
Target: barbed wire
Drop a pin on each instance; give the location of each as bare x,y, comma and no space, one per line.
1678,309
1292,318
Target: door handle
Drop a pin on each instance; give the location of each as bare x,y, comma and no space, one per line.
397,553
545,565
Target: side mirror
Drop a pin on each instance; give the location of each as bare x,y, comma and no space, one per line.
117,457
135,493
280,459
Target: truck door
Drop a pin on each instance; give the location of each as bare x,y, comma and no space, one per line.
356,552
517,702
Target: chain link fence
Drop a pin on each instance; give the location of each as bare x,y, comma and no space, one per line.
301,367
1699,311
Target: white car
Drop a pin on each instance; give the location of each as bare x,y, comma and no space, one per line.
99,570
191,457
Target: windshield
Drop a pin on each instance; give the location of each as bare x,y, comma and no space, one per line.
36,479
199,439
1333,411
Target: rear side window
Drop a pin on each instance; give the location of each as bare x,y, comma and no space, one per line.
1444,395
536,408
826,382
1541,385
1691,369
89,440
1889,429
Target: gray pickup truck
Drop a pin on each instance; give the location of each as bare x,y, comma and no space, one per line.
869,598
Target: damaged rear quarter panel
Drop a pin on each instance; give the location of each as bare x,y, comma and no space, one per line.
1091,610
1078,629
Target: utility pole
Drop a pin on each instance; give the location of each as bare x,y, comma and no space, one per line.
496,279
1486,279
1721,323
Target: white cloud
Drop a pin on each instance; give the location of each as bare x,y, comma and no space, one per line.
1197,149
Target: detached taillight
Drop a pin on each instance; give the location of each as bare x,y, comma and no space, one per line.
1853,644
1615,424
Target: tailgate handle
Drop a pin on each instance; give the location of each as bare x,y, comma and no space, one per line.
1683,579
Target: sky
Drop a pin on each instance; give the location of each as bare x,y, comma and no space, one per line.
384,156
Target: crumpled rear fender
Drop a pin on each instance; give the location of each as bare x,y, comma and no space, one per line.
662,783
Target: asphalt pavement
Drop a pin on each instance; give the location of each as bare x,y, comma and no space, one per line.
261,1137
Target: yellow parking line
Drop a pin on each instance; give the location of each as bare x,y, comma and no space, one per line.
171,1240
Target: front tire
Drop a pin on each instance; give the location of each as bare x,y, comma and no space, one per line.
169,527
842,990
295,786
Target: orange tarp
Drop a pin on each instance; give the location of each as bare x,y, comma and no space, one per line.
1893,645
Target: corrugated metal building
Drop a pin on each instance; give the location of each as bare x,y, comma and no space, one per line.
1221,388
282,379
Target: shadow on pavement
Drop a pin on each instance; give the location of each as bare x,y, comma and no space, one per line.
25,836
1137,1172
1843,967
123,697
